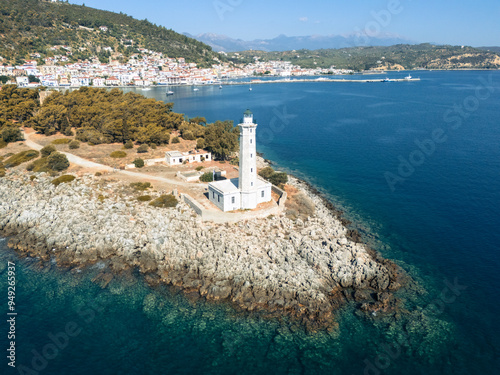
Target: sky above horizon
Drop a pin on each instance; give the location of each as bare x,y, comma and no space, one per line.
458,22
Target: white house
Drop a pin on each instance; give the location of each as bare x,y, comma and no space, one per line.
22,81
247,191
177,157
99,82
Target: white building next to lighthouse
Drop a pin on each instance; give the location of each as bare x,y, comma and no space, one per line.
247,191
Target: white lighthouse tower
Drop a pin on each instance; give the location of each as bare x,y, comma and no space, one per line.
248,164
248,190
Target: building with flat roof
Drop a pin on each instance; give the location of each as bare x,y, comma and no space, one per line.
248,190
177,157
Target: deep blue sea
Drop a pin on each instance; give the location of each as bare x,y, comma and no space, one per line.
416,168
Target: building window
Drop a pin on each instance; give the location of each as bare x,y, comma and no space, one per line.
251,156
262,193
251,183
213,194
251,141
218,198
250,130
251,169
233,200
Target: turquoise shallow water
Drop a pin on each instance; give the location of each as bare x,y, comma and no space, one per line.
440,223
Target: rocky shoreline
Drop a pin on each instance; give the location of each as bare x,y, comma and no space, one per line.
277,266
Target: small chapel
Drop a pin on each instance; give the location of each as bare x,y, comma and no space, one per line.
248,190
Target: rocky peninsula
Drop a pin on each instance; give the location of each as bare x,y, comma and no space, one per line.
280,265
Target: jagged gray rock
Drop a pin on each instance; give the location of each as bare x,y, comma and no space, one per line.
274,263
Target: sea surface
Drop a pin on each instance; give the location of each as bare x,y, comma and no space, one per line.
416,168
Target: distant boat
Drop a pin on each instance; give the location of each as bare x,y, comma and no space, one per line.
250,89
408,77
146,89
386,80
220,87
196,89
170,93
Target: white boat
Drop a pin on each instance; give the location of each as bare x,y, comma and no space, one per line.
196,89
408,77
170,93
220,87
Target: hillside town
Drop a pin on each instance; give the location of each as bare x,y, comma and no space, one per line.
149,68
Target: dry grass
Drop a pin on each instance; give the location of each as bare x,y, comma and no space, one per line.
14,148
298,205
100,153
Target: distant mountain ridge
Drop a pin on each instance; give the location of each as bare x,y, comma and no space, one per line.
282,43
397,57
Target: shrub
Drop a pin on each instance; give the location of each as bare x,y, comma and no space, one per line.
276,178
2,172
144,198
142,149
97,174
200,143
164,201
153,146
139,163
279,179
68,132
20,157
32,177
63,179
266,172
11,134
128,145
73,145
2,143
207,177
235,161
118,154
176,140
141,186
61,141
188,135
39,165
57,161
47,150
199,168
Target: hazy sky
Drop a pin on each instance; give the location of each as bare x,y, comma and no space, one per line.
458,22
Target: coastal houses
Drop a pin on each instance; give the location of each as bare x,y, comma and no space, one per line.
248,190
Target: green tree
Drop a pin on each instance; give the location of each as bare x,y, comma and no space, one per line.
47,150
74,144
139,163
221,138
11,134
207,177
200,143
57,161
142,149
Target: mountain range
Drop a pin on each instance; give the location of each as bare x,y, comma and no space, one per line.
223,43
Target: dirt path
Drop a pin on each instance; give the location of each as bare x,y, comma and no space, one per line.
90,164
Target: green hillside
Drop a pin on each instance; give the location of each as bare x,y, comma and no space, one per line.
400,56
32,26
